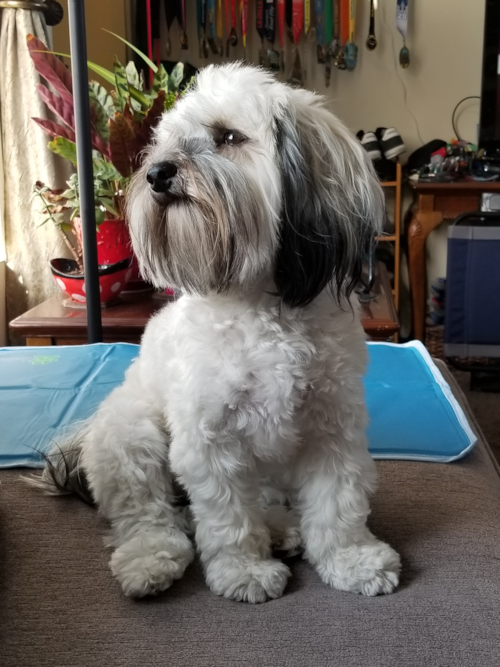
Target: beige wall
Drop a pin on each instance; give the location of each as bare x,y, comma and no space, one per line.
101,47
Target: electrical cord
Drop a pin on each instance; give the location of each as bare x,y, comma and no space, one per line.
469,97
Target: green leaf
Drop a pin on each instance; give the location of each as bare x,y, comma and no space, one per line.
65,148
100,122
104,98
99,216
133,75
160,81
105,170
69,194
143,99
170,101
109,205
148,62
121,85
176,76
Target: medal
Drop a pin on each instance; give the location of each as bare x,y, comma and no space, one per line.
402,25
371,42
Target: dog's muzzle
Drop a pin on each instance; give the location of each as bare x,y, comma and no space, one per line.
160,178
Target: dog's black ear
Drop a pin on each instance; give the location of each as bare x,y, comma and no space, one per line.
332,204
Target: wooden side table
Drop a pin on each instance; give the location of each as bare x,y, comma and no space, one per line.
50,323
434,203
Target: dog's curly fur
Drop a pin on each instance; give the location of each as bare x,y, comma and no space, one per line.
254,376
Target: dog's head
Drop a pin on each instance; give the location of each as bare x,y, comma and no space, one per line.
249,180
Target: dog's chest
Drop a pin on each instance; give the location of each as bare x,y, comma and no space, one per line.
244,369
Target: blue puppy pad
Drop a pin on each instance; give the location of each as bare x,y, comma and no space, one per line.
45,389
413,413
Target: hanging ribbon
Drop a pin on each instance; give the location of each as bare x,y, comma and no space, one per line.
307,16
371,42
320,33
219,26
402,26
211,26
270,20
273,57
150,38
297,26
233,35
259,22
244,22
328,40
182,22
171,15
344,21
201,17
351,51
297,19
281,30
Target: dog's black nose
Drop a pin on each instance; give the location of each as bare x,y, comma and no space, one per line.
160,176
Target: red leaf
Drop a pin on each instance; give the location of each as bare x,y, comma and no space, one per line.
51,68
100,145
57,105
54,129
144,133
121,143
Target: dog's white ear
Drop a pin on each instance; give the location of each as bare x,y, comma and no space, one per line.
333,205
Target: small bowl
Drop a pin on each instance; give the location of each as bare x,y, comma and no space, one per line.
112,278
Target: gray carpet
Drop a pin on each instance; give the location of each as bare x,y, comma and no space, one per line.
60,607
486,409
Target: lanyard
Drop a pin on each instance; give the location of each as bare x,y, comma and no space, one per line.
270,20
244,21
344,21
211,26
297,19
402,25
182,21
328,22
307,16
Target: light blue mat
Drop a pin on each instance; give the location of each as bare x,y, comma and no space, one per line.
413,413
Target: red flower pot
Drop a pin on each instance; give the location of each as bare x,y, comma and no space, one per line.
113,240
112,278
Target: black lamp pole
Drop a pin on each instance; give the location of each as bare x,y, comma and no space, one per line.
78,46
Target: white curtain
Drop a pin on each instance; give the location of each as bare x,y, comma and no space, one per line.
26,159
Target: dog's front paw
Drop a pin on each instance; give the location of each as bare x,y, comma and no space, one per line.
243,579
370,569
148,564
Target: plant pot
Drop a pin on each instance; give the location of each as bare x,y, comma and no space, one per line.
113,245
112,278
113,240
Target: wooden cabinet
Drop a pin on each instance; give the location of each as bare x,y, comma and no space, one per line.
394,238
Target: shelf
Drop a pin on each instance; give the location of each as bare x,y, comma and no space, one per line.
388,184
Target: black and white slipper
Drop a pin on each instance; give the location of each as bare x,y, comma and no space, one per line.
370,143
390,142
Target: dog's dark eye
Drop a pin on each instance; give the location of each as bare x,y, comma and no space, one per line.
232,138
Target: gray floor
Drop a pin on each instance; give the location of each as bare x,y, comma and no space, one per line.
486,409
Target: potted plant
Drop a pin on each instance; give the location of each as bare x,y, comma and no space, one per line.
122,123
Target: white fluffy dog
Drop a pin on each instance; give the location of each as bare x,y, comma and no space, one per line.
259,205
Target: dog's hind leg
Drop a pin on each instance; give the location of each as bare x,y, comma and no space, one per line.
124,457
